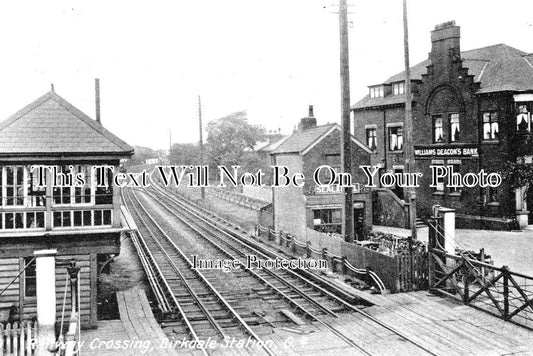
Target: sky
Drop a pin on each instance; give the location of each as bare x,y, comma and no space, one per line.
271,58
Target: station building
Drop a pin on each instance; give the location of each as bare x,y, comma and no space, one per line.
472,110
80,222
297,209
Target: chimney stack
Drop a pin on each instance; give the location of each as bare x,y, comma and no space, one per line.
445,47
97,99
309,121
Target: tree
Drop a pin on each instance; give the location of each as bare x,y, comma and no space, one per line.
141,154
229,137
184,154
518,175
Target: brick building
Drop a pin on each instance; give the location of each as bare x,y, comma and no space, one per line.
295,209
80,222
471,110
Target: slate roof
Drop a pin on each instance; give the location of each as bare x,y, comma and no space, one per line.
301,140
50,126
497,68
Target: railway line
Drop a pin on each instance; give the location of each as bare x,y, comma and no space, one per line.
213,303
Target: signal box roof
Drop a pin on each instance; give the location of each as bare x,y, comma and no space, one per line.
51,126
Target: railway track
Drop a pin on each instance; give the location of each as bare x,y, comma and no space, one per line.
200,311
303,296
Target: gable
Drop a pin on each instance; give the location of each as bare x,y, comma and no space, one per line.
52,126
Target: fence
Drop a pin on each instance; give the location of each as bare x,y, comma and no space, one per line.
496,290
405,272
18,339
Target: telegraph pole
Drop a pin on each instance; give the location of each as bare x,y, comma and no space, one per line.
201,143
408,129
346,145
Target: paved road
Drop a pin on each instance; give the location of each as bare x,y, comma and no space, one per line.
514,249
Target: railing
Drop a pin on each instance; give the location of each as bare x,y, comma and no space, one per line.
496,290
337,263
18,340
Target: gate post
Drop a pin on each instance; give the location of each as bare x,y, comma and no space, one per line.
505,271
45,271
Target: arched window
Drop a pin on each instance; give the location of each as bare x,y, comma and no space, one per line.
445,109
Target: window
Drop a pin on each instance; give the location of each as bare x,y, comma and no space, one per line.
14,186
439,188
456,166
398,88
395,138
493,194
30,278
62,193
104,187
371,138
437,129
523,116
376,92
454,127
327,220
36,194
490,126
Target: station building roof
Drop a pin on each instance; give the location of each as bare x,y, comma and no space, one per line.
51,126
497,68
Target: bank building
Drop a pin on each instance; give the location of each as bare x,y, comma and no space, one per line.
472,112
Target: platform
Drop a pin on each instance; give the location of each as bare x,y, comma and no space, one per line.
136,333
442,326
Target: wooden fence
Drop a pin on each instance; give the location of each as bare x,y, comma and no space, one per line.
496,290
412,271
405,272
18,339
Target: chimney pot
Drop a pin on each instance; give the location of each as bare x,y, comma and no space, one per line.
307,122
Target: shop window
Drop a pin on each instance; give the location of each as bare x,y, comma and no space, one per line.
30,278
327,220
523,116
376,92
454,127
371,138
395,138
438,132
490,126
398,88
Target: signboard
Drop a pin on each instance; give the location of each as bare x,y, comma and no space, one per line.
460,151
335,189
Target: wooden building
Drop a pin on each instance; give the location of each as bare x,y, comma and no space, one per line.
81,222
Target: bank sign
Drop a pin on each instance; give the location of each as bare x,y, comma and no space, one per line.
461,151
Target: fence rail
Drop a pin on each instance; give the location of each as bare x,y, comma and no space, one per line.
496,290
18,339
336,263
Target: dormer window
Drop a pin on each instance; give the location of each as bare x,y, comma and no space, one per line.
376,92
398,88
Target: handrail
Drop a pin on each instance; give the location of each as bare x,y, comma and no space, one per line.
479,263
17,276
